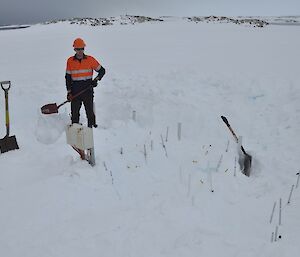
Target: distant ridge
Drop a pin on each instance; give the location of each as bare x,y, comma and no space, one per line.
135,19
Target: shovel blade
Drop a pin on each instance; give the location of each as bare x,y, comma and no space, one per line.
247,164
8,143
49,108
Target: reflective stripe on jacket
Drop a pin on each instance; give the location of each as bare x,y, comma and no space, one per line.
82,69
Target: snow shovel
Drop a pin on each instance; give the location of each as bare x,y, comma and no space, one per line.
53,108
7,143
247,157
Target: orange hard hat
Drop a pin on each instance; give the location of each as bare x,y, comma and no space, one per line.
78,43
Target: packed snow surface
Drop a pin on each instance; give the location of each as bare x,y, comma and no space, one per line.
154,191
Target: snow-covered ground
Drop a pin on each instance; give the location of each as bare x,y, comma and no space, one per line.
184,201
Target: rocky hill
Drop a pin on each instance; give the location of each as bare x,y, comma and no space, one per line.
134,19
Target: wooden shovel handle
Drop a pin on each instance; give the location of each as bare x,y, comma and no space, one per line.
6,104
231,130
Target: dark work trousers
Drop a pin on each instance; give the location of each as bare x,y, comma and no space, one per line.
87,98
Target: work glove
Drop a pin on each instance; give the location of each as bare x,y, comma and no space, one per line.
100,75
95,82
69,96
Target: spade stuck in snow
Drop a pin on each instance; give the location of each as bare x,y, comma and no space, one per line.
247,160
7,143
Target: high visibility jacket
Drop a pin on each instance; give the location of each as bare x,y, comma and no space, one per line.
79,73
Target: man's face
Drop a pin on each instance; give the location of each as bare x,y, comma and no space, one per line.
79,52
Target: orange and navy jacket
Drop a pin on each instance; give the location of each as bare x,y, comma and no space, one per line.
79,73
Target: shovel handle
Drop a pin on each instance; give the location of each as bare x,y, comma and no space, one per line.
243,150
53,108
82,91
78,94
231,130
225,120
60,105
248,157
6,104
5,83
234,135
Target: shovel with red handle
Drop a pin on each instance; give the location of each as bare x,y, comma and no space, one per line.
7,143
53,108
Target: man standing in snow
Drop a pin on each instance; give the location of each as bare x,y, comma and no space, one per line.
79,77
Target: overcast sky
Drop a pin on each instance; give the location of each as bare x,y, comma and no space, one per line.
31,11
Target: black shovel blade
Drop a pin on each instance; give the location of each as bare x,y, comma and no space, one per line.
49,108
8,144
247,164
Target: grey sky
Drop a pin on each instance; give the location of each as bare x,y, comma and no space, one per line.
31,11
